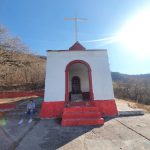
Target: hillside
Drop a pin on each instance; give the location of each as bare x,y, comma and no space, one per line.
133,87
19,68
116,76
21,71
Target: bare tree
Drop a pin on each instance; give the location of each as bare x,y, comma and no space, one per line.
18,66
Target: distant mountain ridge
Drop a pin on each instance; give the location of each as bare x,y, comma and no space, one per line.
116,76
132,87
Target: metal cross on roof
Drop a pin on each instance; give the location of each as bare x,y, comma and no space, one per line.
75,25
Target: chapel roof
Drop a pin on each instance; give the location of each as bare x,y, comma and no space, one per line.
77,47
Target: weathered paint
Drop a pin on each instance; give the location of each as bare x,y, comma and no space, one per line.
52,109
55,109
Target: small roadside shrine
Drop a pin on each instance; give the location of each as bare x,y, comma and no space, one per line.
78,86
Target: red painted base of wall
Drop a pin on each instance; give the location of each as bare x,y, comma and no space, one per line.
55,109
21,94
107,107
52,109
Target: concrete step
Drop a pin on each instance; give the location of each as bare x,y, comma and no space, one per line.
77,115
80,109
82,121
25,106
82,103
81,115
130,113
19,115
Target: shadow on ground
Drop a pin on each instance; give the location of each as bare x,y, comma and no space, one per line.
40,134
56,136
10,132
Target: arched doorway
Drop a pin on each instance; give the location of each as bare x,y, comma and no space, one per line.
78,82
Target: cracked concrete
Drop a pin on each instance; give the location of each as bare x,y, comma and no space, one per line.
114,135
122,133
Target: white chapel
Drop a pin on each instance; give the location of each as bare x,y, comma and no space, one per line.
78,86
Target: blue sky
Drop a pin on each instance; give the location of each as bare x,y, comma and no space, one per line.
41,26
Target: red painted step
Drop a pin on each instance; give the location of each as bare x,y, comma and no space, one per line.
81,115
82,103
80,122
80,109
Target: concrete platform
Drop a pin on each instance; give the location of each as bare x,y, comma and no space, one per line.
123,133
114,135
130,113
124,109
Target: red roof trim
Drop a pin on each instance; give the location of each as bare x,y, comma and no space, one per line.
77,46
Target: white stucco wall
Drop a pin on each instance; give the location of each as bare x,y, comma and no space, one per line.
55,73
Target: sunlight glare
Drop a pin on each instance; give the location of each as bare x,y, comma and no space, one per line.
136,34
